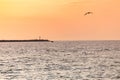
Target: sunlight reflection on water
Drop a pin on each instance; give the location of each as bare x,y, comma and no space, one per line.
70,60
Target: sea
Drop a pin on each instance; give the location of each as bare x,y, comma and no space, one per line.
60,60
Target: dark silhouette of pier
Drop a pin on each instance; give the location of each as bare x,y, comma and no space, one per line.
29,40
42,40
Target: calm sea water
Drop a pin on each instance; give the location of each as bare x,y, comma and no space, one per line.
61,60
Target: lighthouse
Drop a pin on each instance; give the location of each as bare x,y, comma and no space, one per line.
39,37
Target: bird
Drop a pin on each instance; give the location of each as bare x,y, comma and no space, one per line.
88,13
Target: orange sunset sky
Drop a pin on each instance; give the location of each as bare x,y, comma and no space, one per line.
60,19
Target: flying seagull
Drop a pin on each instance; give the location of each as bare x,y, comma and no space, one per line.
88,13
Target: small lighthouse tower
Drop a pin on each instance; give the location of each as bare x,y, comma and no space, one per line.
39,37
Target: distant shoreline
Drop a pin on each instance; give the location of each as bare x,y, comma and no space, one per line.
31,40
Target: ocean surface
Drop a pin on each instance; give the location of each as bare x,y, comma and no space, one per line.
60,60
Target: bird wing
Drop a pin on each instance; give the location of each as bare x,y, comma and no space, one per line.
88,13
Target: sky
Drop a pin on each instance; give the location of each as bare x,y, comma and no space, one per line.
60,19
